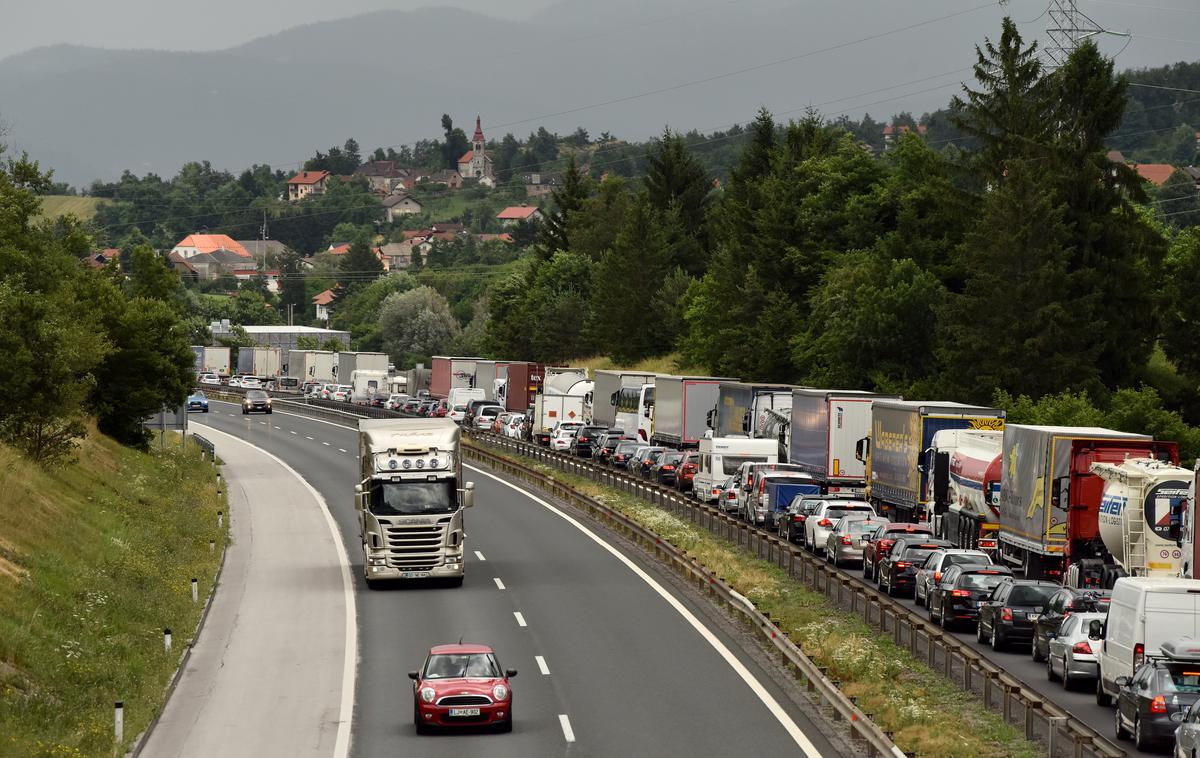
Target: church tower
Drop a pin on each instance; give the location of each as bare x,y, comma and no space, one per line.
478,167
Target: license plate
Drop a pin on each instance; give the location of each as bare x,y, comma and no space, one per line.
414,574
1034,616
464,711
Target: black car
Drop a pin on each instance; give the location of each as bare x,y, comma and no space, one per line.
623,453
1060,605
956,597
410,405
666,467
605,444
473,407
649,459
1008,615
1159,689
791,523
585,439
878,546
256,401
898,571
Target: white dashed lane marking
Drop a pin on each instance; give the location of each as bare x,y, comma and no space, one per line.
568,732
542,667
499,584
341,449
293,431
520,619
478,554
326,444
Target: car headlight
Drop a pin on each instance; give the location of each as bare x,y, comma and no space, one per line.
427,694
500,692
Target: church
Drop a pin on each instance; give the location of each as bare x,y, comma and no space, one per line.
475,163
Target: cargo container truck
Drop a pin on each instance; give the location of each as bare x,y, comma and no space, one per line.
681,406
1190,544
1050,498
216,360
311,365
486,373
349,362
264,362
518,383
1141,518
635,410
410,500
741,407
894,451
614,388
963,498
417,380
825,427
552,408
451,373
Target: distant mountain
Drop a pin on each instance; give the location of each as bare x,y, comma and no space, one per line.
385,78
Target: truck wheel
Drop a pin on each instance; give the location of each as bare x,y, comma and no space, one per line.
457,581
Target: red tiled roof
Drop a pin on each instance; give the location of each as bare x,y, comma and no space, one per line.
210,243
503,237
308,177
1155,173
517,212
323,298
467,156
341,249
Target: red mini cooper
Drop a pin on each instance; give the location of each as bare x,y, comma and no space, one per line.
461,685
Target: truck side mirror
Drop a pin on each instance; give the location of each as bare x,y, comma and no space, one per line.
358,497
710,418
468,495
861,449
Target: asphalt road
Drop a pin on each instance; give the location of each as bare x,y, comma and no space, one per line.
607,665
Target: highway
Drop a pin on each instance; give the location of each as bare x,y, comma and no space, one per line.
608,665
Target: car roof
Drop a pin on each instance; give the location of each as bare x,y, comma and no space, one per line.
459,648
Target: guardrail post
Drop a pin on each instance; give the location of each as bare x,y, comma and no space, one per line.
930,655
1030,709
1006,708
1052,736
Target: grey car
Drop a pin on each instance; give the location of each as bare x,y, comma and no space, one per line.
845,541
1072,658
940,560
1187,736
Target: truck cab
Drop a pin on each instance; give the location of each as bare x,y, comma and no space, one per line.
410,500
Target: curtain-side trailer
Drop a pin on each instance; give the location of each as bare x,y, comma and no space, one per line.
826,427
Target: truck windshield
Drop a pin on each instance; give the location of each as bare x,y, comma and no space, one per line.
413,498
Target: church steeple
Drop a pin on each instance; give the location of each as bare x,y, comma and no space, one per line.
478,138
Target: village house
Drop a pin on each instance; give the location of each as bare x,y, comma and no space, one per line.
1155,173
397,206
208,256
261,250
385,177
476,163
447,176
514,214
893,132
396,255
322,302
1194,174
100,258
307,184
249,274
538,185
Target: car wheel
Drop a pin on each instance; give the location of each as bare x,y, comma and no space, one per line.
997,640
245,413
505,726
1118,729
1140,740
1036,652
888,586
917,599
206,410
420,725
269,411
1103,699
866,569
979,630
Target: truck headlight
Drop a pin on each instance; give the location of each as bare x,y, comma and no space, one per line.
427,694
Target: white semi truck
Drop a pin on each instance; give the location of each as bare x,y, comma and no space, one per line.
410,500
1143,513
962,501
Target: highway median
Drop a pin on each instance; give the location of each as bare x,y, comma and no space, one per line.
97,560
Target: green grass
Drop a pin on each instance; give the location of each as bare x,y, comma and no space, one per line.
83,208
926,714
445,207
96,559
663,364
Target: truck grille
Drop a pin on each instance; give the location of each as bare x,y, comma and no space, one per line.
416,547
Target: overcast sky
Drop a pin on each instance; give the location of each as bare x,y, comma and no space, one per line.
1160,34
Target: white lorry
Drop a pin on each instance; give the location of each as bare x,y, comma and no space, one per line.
311,365
566,396
364,372
611,388
1142,514
964,486
410,500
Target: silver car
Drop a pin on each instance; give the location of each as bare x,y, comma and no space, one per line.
818,526
1187,736
1072,657
940,560
845,541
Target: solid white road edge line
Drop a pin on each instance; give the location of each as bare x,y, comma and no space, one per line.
479,555
568,732
520,619
541,663
341,746
739,668
499,584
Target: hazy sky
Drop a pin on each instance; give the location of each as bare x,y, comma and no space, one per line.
1164,29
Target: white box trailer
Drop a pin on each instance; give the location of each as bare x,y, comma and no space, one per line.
217,361
349,362
263,362
681,408
550,409
311,365
609,384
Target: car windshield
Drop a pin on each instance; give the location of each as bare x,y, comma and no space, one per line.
859,526
199,395
1026,594
731,463
413,498
1179,677
256,395
672,458
980,581
966,559
462,666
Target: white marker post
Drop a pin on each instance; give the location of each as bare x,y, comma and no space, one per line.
119,724
167,640
220,520
195,590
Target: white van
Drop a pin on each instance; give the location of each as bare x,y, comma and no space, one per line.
1144,612
464,396
721,457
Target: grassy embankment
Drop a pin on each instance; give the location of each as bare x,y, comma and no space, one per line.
83,208
663,364
927,715
96,559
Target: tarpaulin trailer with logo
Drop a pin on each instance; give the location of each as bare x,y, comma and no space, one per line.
517,384
826,427
1050,498
451,373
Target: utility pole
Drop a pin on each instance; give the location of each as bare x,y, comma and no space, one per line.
1069,27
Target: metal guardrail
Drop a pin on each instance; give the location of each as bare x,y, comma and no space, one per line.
1063,735
1041,720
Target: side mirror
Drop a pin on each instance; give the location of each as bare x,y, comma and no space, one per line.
468,495
1179,716
1121,681
412,675
510,673
358,497
1096,630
